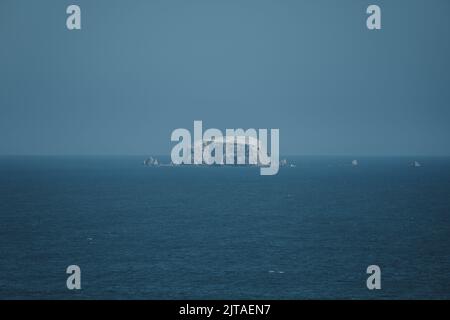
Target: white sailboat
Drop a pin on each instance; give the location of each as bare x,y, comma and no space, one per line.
354,163
417,164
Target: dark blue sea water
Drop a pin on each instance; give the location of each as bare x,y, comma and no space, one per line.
216,233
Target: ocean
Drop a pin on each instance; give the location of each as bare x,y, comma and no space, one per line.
139,232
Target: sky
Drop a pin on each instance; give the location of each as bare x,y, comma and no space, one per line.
137,70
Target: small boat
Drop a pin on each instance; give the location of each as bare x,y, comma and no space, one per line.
355,163
149,162
416,164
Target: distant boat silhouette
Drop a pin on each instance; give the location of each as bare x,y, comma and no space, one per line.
149,162
416,164
355,163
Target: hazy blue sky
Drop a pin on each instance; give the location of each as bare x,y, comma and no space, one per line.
139,69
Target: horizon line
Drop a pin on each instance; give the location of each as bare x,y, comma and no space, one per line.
168,155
